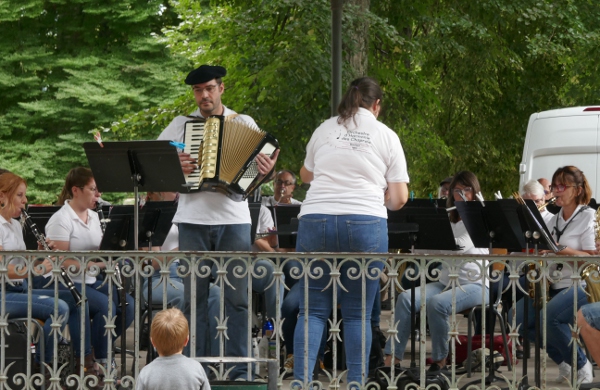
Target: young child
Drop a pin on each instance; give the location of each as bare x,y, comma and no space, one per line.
171,370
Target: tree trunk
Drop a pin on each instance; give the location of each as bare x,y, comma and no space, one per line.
357,52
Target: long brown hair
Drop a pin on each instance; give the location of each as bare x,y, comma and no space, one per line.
77,177
363,92
9,185
466,179
571,174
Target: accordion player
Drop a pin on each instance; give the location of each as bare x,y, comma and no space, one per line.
225,150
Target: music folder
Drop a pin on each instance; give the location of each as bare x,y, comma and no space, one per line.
422,224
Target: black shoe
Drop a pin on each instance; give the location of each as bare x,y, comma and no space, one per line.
435,368
519,354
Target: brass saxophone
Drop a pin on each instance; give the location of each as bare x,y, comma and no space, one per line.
591,273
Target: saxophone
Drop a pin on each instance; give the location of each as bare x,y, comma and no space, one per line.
591,273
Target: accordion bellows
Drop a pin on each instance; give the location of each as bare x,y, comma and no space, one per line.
225,150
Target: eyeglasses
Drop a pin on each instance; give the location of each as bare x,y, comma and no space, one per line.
559,187
465,189
284,183
209,88
539,201
546,192
93,189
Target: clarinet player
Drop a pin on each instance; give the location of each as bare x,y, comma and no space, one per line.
76,227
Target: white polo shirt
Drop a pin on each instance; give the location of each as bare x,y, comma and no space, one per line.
579,235
65,225
11,239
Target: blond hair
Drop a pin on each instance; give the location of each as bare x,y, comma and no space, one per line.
169,331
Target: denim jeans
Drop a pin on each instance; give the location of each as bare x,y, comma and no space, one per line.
338,233
439,309
65,295
591,313
42,307
559,311
259,286
174,288
98,306
218,238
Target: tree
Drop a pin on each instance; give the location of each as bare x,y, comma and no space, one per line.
71,66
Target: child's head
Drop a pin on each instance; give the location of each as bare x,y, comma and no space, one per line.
169,332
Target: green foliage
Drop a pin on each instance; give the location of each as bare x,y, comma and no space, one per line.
71,66
460,78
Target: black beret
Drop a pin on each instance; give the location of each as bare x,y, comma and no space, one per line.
204,73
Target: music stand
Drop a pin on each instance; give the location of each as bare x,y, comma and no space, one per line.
40,215
501,224
153,166
109,165
286,223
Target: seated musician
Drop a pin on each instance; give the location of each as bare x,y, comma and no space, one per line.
283,189
572,227
438,295
76,227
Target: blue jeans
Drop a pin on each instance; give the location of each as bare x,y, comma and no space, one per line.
65,295
42,307
290,308
559,311
218,238
439,309
259,285
338,233
174,288
98,306
591,313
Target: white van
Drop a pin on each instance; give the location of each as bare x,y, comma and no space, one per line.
566,136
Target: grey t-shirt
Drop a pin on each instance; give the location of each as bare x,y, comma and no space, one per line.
175,372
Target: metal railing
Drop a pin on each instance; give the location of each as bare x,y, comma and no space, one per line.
240,274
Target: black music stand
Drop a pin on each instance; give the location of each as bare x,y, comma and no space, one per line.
254,216
137,165
153,166
286,223
40,215
419,224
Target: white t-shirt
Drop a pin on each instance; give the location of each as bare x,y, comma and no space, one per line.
65,225
270,201
579,235
265,222
11,239
547,216
172,239
206,208
352,166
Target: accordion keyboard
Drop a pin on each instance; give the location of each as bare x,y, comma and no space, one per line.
193,137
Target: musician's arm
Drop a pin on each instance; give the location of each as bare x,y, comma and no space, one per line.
306,175
396,195
65,246
12,269
265,164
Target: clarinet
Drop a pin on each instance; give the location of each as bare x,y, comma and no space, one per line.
41,239
118,276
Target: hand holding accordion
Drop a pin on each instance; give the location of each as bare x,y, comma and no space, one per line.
226,151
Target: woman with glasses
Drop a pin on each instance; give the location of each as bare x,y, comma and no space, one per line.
76,227
357,169
573,228
463,187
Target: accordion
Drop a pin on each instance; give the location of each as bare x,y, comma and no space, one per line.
225,150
